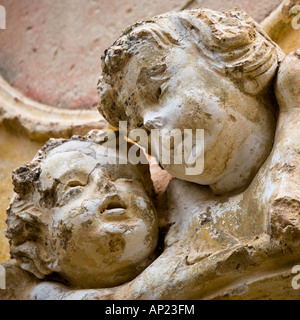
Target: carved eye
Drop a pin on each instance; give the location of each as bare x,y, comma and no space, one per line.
152,80
70,191
74,184
125,179
155,89
158,93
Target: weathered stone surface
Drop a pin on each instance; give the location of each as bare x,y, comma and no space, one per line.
39,122
17,278
93,224
234,246
25,125
197,69
50,49
257,9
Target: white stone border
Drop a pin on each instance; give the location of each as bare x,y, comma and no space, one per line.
41,122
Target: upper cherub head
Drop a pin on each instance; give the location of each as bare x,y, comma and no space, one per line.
197,69
80,214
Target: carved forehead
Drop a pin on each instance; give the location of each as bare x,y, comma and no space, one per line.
73,145
103,153
77,159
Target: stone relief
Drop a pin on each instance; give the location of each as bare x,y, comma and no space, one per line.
79,229
93,225
197,69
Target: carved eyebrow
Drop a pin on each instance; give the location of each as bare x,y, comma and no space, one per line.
125,176
121,179
70,175
80,179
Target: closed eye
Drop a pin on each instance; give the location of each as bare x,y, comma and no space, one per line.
75,183
125,179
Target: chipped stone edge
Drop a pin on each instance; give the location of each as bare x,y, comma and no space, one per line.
40,122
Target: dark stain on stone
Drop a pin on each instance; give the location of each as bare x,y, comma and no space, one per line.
65,236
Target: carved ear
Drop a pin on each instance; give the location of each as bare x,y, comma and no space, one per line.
28,237
32,259
106,95
24,178
117,56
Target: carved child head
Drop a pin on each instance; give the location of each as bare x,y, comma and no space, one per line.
77,215
197,69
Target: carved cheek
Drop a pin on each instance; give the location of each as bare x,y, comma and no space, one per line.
137,247
110,239
92,206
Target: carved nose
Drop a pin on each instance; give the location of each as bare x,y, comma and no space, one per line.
109,189
111,198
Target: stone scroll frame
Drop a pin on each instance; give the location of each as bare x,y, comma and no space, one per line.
39,122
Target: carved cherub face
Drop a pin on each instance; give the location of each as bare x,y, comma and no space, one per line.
101,226
197,69
192,95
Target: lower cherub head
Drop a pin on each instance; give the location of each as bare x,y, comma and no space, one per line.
78,216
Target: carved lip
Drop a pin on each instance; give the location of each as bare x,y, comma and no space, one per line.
113,206
117,212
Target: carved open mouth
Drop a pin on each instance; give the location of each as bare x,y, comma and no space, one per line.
113,208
